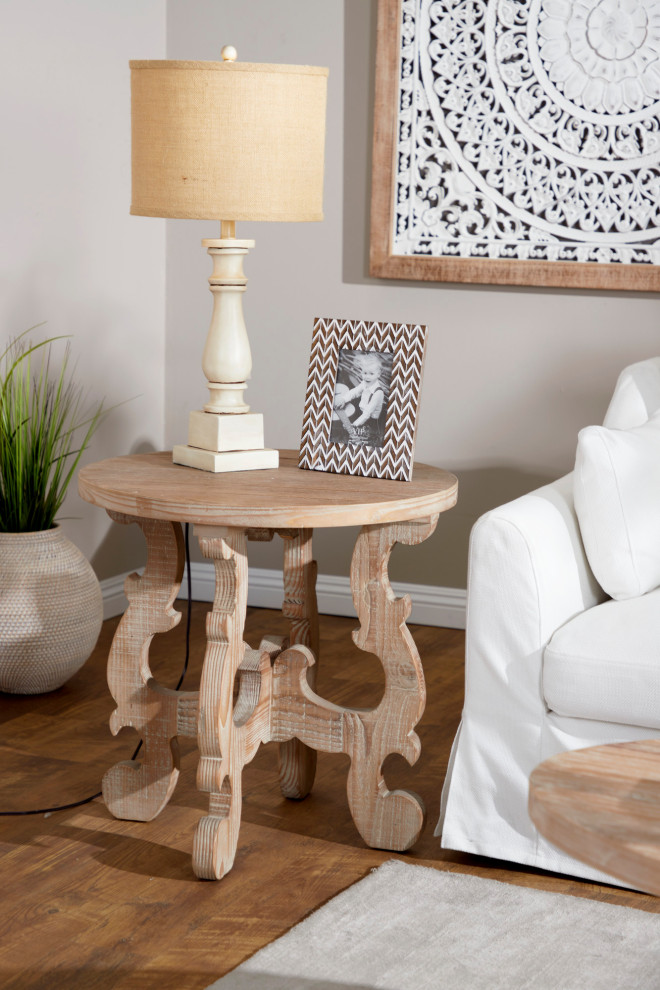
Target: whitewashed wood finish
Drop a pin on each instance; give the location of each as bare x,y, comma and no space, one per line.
225,433
285,498
227,361
226,460
385,819
276,700
602,805
140,790
223,437
226,743
297,762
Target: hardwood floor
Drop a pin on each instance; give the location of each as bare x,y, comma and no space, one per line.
91,902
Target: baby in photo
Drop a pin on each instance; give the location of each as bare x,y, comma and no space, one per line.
360,399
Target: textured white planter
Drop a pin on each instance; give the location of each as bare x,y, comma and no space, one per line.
50,611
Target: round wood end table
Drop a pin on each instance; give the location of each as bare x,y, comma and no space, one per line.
276,700
602,805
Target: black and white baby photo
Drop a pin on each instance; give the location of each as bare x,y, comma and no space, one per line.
362,389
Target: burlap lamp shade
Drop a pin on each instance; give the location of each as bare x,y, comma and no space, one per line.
227,140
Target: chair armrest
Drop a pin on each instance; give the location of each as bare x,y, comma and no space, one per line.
528,575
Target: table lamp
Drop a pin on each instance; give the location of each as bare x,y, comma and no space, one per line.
227,141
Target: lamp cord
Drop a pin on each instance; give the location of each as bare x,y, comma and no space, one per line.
92,797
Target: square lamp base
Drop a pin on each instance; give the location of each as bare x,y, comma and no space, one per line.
220,442
226,460
226,431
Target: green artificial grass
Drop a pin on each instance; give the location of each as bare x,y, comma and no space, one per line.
44,429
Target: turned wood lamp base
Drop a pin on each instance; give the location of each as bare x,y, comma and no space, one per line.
225,435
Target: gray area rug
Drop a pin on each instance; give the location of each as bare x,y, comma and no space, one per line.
411,928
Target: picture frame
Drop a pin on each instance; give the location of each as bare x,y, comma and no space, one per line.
493,159
362,398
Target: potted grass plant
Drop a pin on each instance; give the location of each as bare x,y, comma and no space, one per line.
50,599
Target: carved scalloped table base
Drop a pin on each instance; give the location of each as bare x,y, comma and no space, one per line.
276,700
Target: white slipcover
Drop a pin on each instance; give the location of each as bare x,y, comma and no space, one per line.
616,490
529,579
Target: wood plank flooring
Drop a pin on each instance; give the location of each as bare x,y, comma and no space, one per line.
90,902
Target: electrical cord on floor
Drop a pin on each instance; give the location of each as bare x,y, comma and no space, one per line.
92,797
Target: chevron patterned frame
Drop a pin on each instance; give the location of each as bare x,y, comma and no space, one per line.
393,458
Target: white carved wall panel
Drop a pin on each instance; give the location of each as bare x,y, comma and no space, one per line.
527,130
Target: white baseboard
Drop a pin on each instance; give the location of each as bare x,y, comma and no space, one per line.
431,605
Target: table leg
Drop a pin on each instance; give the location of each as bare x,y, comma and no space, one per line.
297,762
228,736
387,819
131,789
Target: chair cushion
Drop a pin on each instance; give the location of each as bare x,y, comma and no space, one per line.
605,663
636,395
617,501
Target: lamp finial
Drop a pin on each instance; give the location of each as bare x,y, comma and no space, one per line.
229,53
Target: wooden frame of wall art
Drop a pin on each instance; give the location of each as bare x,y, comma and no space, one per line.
362,399
517,142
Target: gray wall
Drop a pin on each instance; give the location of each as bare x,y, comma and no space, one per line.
511,374
70,254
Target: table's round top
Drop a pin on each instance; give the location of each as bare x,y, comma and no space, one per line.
153,487
602,805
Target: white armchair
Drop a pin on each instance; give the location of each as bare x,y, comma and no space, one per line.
552,663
